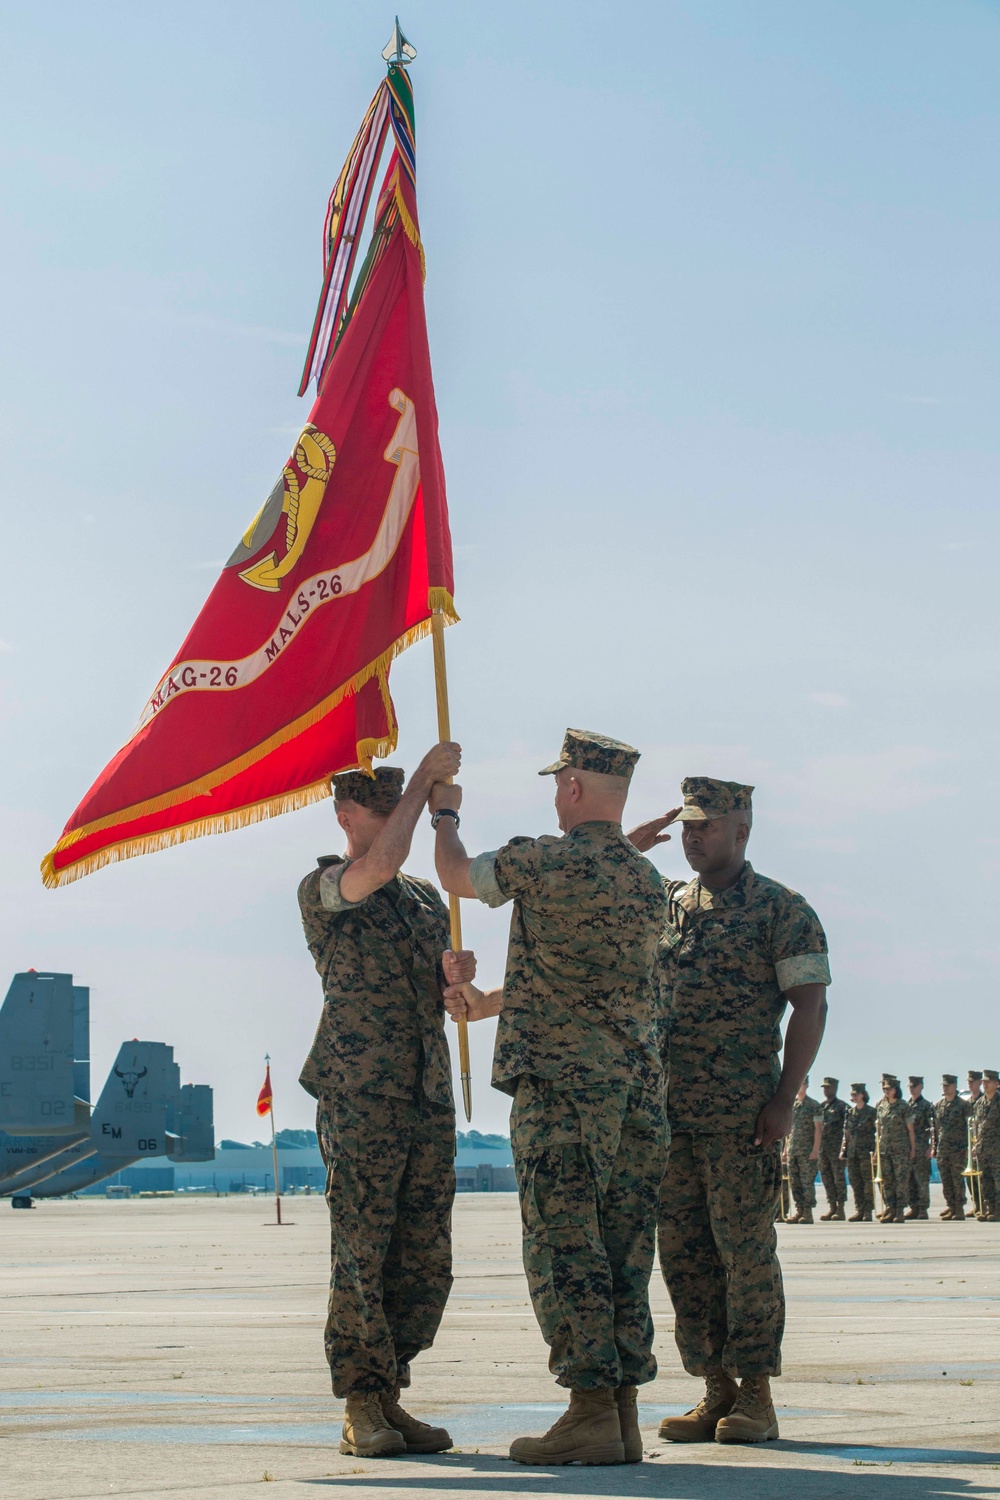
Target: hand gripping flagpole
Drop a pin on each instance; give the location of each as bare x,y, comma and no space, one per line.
454,907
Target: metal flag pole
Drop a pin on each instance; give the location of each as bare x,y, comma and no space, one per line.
274,1146
454,907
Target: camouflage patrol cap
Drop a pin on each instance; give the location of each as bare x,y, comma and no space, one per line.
831,1083
991,1073
975,1077
706,798
914,1079
889,1078
380,793
859,1088
582,750
949,1078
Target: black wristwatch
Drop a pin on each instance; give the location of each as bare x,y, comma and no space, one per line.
444,812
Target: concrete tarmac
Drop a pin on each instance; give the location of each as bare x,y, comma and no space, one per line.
174,1347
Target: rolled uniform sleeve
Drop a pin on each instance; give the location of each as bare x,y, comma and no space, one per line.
802,968
799,947
483,878
329,889
503,874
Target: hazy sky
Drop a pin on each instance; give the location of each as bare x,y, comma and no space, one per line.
712,297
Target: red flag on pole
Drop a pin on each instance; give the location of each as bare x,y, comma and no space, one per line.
265,1097
283,679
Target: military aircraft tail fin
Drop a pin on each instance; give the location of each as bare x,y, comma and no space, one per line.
135,1113
43,1022
81,1044
195,1124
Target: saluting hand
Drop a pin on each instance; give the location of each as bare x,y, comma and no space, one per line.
646,835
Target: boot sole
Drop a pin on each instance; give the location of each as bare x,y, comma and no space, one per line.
438,1447
701,1437
746,1437
608,1453
386,1450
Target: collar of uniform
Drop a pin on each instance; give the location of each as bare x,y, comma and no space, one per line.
596,825
326,860
697,898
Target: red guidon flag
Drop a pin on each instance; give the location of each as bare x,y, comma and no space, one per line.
265,1097
283,679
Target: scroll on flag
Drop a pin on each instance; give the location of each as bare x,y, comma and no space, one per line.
283,679
265,1098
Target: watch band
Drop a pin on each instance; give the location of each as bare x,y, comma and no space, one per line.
444,812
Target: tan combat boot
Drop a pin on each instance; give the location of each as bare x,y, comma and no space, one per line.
838,1213
752,1419
588,1432
806,1216
366,1432
418,1436
698,1425
627,1401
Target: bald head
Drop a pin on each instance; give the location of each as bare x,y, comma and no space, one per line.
589,797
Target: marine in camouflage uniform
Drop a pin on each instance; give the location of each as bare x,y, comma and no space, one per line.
380,1071
986,1132
858,1146
895,1149
833,1112
975,1090
576,1049
951,1129
726,961
921,1116
798,1153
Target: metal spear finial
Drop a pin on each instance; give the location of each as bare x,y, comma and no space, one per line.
398,50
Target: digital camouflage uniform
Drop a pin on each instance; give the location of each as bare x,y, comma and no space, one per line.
576,1048
833,1113
986,1131
802,1171
951,1128
920,1113
858,1145
379,1068
894,1154
725,963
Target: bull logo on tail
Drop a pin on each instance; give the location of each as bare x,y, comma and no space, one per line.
130,1080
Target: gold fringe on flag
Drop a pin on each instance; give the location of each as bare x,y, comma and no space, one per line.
439,601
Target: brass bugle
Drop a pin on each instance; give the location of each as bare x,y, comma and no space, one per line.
975,1176
877,1167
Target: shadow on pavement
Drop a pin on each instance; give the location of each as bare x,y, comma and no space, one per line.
861,1479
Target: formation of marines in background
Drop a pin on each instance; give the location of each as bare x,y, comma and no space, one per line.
890,1148
639,1039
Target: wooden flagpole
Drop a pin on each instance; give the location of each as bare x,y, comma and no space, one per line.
454,908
